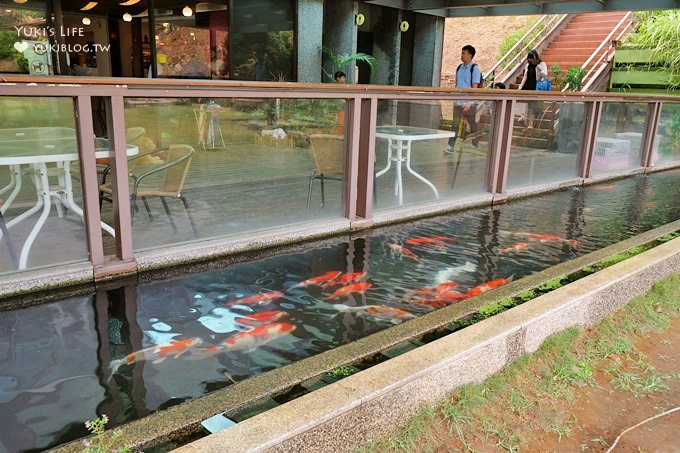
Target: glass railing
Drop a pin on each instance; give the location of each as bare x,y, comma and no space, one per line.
618,145
667,144
545,142
256,164
422,155
41,202
223,167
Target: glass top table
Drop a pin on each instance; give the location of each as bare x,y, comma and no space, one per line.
399,140
36,147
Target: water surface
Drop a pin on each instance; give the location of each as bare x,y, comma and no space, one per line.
63,362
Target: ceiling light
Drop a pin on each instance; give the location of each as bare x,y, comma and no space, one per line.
127,17
128,2
186,11
20,1
86,21
89,6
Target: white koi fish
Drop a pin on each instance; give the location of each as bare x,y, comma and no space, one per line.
449,273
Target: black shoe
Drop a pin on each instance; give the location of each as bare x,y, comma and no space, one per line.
449,150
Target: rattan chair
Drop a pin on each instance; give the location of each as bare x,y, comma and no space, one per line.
132,137
8,241
174,171
329,160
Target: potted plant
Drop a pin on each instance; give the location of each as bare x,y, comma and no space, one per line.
558,78
573,79
339,61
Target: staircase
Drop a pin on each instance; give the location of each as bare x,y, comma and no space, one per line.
585,41
578,41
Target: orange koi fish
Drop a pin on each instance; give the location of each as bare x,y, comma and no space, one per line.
514,248
435,240
353,288
256,299
382,312
604,187
256,337
446,286
258,319
351,277
319,280
544,237
443,287
484,287
404,251
434,303
157,353
345,279
453,296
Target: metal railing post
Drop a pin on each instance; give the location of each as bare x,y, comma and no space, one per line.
501,143
649,134
88,178
363,130
589,140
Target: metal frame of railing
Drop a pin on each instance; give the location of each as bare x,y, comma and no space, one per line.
361,118
605,52
512,60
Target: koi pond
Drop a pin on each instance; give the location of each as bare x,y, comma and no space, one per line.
136,349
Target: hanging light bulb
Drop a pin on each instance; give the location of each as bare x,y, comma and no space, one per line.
127,17
86,21
186,11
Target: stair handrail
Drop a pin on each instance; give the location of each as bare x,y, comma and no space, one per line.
624,25
524,43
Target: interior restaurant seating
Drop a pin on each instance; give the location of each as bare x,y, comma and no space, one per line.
329,159
8,241
158,173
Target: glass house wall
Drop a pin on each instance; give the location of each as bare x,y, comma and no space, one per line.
252,40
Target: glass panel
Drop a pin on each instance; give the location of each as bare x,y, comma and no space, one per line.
667,143
41,204
548,150
419,159
262,43
187,47
254,165
24,39
619,142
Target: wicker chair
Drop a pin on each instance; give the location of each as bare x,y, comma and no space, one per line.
174,170
329,160
132,136
8,241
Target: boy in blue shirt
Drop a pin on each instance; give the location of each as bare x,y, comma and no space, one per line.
468,75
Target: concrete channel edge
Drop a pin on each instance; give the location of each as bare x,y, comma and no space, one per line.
363,407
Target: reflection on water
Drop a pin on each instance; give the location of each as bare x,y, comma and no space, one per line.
136,349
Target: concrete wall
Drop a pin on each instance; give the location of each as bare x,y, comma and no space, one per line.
340,33
429,48
310,22
386,45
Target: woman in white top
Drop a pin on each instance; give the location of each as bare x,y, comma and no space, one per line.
535,70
